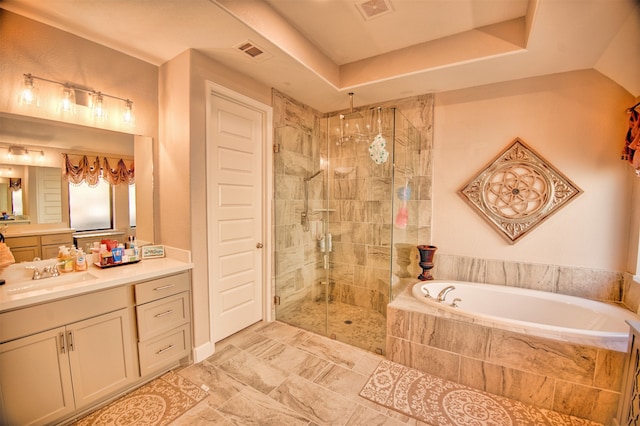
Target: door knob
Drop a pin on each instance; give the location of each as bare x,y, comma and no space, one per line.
259,245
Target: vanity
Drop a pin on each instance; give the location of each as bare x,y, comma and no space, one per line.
71,343
44,243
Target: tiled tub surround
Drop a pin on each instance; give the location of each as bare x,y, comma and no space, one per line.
572,378
593,284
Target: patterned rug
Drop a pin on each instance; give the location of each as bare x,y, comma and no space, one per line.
440,402
159,402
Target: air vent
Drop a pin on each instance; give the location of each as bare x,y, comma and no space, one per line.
252,50
374,8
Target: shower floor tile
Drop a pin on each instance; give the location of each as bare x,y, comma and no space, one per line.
360,327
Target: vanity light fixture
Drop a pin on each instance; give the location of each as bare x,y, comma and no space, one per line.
23,155
70,96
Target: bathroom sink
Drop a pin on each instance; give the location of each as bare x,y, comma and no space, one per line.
26,285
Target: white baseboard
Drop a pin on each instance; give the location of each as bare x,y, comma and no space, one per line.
203,352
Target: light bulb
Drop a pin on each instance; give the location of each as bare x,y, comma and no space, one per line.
29,95
99,110
68,102
127,117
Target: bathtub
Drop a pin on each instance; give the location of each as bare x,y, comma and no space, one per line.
540,313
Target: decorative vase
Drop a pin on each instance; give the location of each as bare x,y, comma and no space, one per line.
426,261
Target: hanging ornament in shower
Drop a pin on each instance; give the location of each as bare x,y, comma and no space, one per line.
377,150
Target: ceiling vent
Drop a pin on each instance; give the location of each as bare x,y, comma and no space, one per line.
374,8
252,50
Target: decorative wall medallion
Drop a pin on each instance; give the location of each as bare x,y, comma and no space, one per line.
518,191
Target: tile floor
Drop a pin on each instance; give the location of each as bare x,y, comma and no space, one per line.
357,326
277,374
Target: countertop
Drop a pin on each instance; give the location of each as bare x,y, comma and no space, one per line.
19,292
22,232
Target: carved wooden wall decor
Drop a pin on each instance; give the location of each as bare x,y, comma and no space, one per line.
518,190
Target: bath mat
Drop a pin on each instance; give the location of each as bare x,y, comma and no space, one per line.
440,402
159,402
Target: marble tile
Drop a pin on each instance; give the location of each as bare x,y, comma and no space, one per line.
202,415
590,283
461,338
253,408
609,369
253,371
526,387
297,361
313,401
581,401
448,267
631,295
205,373
523,275
337,352
543,356
363,416
424,358
398,323
367,364
342,380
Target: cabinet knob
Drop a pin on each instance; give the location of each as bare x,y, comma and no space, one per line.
259,245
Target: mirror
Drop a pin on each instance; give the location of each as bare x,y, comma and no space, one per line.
39,170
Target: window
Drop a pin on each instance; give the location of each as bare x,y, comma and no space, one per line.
90,207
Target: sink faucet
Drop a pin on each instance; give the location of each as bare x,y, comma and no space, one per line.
443,293
46,272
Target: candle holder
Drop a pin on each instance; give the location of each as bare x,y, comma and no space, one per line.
426,261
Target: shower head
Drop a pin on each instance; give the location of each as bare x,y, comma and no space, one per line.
307,179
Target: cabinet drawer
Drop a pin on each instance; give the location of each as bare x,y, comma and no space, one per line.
155,318
23,241
162,287
164,350
59,239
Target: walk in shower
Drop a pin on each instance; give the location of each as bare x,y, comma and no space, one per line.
348,190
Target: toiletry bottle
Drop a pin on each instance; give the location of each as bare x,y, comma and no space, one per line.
81,261
67,261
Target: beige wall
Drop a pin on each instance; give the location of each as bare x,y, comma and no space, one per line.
577,122
27,46
182,163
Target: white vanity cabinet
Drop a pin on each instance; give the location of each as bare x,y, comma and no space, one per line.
164,317
48,373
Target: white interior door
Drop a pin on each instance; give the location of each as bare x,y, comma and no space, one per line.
235,142
49,195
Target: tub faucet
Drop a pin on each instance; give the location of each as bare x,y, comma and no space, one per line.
443,293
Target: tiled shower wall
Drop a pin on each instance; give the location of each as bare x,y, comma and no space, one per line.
297,138
362,205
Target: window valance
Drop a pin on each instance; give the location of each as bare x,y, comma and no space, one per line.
91,172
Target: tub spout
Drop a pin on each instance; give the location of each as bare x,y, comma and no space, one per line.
443,293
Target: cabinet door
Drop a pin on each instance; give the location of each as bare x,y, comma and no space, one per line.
35,381
26,254
101,355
